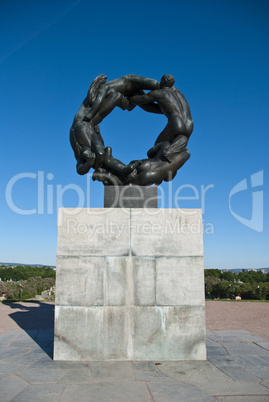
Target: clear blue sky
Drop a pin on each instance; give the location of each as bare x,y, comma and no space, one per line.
218,53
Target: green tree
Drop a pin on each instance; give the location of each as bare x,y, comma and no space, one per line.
222,290
260,291
252,276
9,289
23,272
214,273
26,289
228,276
210,281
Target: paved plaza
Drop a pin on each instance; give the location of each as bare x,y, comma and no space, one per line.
237,368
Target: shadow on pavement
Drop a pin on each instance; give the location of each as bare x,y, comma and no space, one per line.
37,320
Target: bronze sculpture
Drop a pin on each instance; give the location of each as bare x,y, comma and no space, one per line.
167,155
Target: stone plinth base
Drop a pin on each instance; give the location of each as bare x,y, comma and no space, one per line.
130,285
131,197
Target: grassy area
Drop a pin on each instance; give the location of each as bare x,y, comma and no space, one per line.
26,301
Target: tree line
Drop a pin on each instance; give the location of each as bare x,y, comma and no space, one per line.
25,281
251,285
23,272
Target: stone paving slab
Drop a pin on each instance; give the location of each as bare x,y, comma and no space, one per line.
239,374
104,392
237,370
264,344
210,379
12,367
265,383
7,338
43,392
112,371
80,375
10,351
177,392
31,356
245,349
215,351
243,398
148,371
10,387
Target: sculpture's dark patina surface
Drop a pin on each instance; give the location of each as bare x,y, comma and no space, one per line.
167,155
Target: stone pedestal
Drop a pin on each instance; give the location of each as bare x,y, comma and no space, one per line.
129,285
131,197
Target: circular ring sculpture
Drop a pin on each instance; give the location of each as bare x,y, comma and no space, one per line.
169,152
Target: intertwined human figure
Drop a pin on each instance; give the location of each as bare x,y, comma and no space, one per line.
169,152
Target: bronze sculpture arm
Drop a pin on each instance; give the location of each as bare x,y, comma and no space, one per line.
141,99
146,103
151,108
97,103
